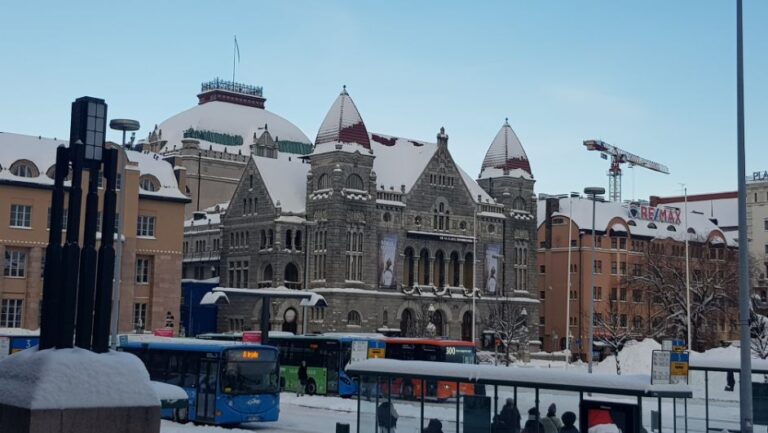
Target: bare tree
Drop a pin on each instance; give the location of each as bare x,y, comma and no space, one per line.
509,323
714,290
613,328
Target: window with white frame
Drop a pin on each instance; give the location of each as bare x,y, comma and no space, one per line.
15,263
145,226
139,314
319,251
354,253
21,215
143,270
11,313
238,273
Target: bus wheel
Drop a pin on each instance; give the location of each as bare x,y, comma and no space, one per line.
311,387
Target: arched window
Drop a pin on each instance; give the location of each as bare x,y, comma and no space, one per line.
518,204
439,321
424,267
631,223
408,264
148,182
297,242
384,318
24,168
440,216
468,259
353,318
453,269
288,239
355,182
407,323
263,241
440,269
671,228
466,326
322,182
267,275
291,277
270,238
651,225
691,230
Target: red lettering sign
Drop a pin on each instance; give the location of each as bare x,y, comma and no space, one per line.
252,337
163,332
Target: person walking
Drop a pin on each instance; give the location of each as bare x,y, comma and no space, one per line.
386,417
509,418
551,422
302,379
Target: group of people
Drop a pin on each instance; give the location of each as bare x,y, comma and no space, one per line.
509,420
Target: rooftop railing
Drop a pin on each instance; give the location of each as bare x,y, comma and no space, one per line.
231,86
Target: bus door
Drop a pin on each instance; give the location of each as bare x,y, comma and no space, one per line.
330,353
206,390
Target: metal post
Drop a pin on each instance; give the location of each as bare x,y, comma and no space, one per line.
115,315
421,420
458,401
591,318
687,273
745,376
660,417
474,275
706,401
87,281
106,262
264,325
52,293
568,285
71,251
674,414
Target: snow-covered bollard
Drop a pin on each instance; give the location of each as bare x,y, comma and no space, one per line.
58,390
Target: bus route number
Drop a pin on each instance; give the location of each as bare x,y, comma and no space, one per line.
450,350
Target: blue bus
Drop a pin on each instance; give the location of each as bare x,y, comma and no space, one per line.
326,356
227,383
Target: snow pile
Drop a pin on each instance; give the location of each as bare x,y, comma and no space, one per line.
74,378
635,358
167,391
19,332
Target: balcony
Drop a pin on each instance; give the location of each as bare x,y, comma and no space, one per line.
201,256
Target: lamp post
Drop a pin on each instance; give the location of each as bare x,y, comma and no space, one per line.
123,125
745,377
687,271
593,192
568,285
474,273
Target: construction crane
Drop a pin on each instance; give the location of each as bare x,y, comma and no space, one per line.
619,157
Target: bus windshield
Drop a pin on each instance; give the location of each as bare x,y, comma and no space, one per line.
250,372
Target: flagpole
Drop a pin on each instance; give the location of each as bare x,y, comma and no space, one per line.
234,57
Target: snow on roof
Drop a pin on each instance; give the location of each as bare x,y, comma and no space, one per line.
286,180
343,124
606,211
74,378
210,219
506,155
19,332
227,118
42,152
155,165
639,384
724,210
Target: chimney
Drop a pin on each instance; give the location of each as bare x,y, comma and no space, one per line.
180,173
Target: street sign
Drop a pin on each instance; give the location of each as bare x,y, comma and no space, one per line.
678,367
5,347
252,337
660,367
359,351
163,332
679,346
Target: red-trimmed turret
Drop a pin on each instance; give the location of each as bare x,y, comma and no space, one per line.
343,124
506,156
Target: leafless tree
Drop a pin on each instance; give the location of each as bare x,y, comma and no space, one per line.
713,283
613,327
509,323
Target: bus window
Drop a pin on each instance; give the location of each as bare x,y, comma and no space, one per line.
175,373
158,365
239,376
460,355
430,353
191,369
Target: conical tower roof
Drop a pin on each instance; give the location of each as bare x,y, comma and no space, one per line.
343,124
506,156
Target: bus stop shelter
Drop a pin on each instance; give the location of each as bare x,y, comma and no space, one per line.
730,365
620,397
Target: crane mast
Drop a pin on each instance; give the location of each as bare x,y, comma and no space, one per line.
618,157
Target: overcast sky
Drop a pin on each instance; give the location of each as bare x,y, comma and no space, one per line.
657,78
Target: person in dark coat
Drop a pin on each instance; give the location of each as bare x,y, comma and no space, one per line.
302,379
509,418
569,423
730,381
533,425
434,426
386,417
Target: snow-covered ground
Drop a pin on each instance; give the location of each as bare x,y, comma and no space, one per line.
320,414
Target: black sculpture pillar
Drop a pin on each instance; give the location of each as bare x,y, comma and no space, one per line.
106,264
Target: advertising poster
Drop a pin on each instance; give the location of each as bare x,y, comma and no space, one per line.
387,253
492,253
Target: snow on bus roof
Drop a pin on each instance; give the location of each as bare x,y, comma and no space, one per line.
432,341
636,385
725,359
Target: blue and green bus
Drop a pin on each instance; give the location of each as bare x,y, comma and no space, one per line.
227,383
326,357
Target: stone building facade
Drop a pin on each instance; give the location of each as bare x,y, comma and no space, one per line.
391,231
153,214
202,244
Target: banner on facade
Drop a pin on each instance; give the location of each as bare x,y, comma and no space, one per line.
387,252
492,253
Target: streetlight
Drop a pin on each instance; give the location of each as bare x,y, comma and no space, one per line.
568,285
123,125
593,192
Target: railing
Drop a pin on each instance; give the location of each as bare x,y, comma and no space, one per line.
389,195
200,256
231,86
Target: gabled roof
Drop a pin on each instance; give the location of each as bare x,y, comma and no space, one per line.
506,156
285,178
343,124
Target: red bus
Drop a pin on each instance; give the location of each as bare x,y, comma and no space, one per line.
424,349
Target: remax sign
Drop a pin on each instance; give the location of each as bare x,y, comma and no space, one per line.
658,214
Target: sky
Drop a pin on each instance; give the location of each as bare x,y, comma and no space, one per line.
657,78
